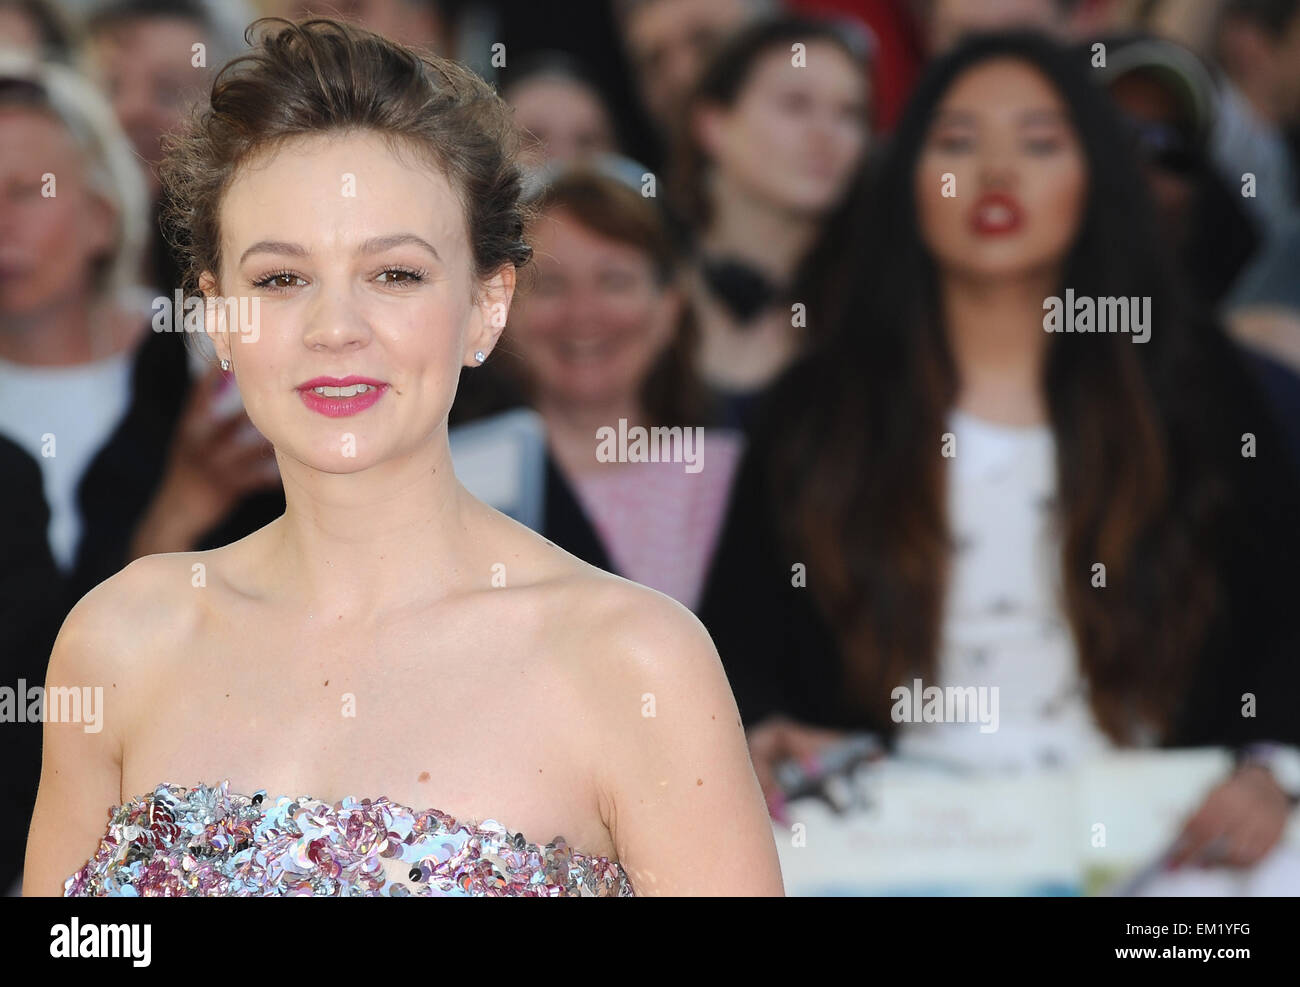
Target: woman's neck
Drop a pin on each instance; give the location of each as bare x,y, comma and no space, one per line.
571,429
743,357
760,233
995,331
357,546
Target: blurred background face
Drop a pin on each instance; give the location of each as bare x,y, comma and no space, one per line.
566,117
1020,174
1265,62
595,319
48,245
795,134
669,42
147,72
396,314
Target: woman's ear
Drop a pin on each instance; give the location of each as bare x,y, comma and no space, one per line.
491,310
214,317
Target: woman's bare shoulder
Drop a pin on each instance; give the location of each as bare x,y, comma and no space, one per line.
628,637
145,609
584,595
599,619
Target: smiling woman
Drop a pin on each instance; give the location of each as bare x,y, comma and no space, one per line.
390,656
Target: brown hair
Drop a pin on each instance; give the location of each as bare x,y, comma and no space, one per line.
321,75
1146,436
672,393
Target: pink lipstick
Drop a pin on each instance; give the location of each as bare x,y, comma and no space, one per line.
338,397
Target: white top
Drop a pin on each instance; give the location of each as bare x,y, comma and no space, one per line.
1002,625
62,416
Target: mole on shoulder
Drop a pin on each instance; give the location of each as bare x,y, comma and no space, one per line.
327,681
424,776
699,781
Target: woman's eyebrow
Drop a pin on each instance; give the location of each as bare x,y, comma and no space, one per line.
954,117
377,243
372,246
273,247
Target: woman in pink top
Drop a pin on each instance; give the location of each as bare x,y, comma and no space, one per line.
605,342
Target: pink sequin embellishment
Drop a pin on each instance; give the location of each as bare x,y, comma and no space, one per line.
206,841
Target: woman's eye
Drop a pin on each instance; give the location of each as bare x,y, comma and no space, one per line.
618,281
276,282
795,102
954,143
398,275
1042,145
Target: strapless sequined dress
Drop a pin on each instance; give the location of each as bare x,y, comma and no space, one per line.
206,841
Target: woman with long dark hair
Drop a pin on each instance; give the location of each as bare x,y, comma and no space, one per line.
1098,519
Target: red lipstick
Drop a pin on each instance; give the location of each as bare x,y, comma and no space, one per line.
341,406
996,214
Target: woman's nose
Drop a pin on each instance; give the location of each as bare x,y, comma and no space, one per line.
998,172
335,320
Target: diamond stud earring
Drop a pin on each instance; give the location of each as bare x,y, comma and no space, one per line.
225,364
480,356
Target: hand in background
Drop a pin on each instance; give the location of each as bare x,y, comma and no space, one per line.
1239,823
214,462
778,739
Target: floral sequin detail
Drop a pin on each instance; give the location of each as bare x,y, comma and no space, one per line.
212,842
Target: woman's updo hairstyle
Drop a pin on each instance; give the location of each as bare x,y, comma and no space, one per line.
319,76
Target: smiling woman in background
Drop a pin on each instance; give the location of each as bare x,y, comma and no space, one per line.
1100,528
359,659
604,336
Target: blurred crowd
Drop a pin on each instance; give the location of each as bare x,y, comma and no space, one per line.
810,244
